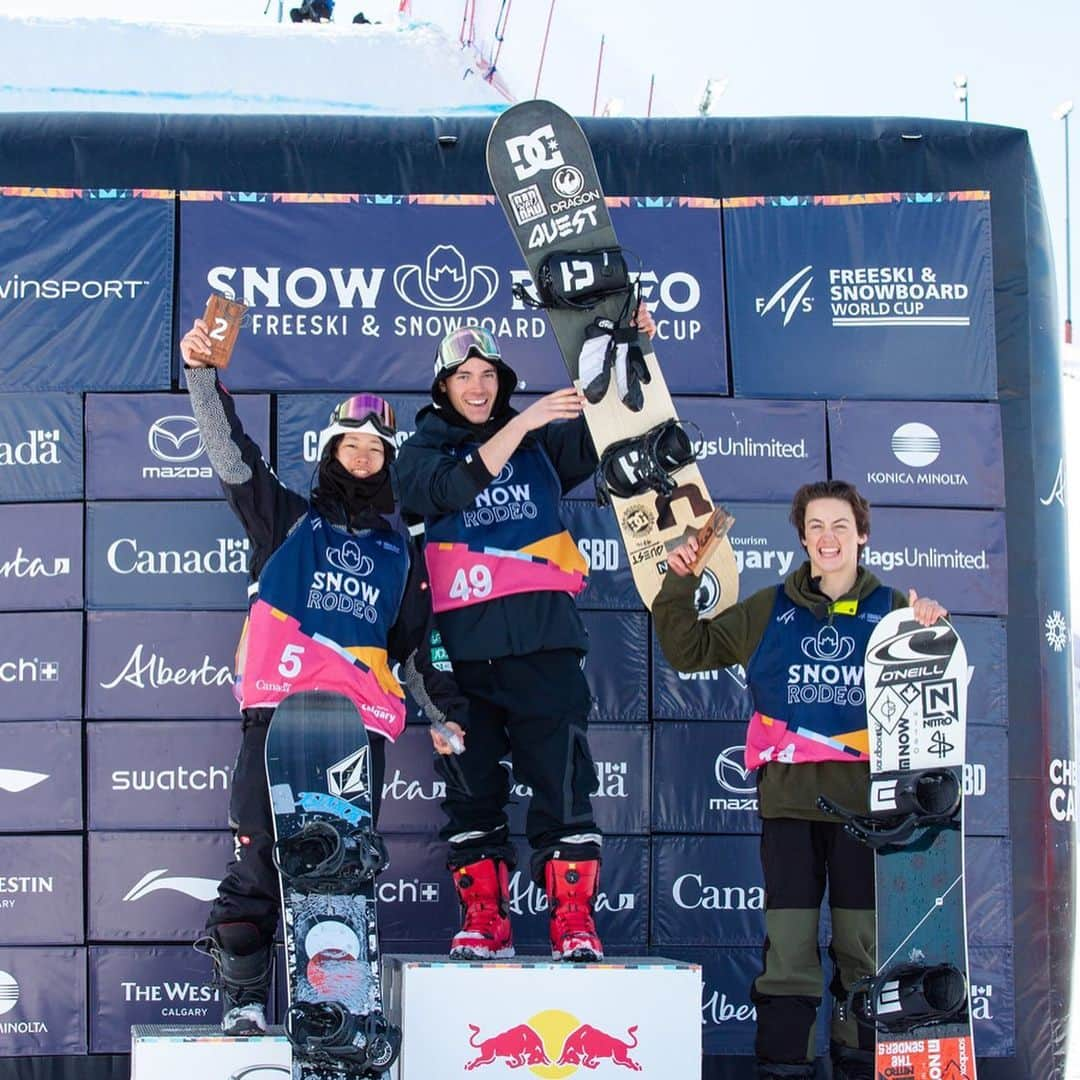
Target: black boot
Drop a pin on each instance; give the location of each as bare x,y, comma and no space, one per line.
243,963
851,1064
771,1070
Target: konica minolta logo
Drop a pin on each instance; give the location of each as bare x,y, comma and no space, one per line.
227,556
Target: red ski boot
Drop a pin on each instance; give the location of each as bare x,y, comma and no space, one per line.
483,887
571,889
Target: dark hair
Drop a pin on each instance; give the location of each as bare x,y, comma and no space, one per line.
830,489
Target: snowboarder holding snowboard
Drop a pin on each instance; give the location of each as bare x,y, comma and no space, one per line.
504,571
302,550
807,738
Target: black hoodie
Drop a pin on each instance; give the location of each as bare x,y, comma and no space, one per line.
433,483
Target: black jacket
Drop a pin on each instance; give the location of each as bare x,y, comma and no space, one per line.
268,510
433,483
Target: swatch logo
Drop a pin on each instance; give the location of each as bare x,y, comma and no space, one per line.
16,780
197,888
175,439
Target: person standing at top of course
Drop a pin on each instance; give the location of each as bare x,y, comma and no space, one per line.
504,571
804,740
302,550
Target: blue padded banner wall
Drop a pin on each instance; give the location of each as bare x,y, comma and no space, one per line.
868,299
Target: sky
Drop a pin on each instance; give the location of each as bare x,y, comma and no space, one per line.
786,58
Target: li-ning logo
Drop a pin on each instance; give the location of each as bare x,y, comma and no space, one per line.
348,777
916,444
534,152
446,282
828,645
790,298
175,439
349,558
198,888
16,780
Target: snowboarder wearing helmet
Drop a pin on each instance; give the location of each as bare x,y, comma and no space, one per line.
348,519
504,571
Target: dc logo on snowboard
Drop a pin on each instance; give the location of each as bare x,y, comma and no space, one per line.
534,152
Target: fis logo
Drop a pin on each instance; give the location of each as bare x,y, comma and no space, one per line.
534,152
790,298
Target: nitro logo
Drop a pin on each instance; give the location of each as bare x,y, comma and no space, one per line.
691,893
535,152
229,556
790,298
154,672
29,670
20,566
39,447
446,282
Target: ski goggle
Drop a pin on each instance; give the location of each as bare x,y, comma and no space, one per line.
460,344
363,409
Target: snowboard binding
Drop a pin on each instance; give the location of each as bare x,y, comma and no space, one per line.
317,858
577,279
325,1031
644,463
902,804
908,996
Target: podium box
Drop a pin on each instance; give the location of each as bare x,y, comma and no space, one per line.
640,1015
182,1051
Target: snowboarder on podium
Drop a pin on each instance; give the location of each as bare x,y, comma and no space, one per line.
348,520
487,481
823,611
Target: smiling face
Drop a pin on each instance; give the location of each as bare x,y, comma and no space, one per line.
472,388
831,538
360,454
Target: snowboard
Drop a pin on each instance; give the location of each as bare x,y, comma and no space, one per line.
916,681
543,173
318,773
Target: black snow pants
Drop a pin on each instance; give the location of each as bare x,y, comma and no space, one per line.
250,891
535,707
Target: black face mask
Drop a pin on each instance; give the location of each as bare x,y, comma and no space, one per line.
361,498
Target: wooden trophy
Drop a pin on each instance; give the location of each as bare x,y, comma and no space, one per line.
224,318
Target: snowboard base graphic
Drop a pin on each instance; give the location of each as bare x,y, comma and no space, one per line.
317,765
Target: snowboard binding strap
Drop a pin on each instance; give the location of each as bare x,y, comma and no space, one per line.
317,858
644,463
326,1031
901,804
908,996
578,280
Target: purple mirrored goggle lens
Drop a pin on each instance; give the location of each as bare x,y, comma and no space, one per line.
464,342
362,408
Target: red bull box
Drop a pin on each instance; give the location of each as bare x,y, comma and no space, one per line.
179,1052
534,1017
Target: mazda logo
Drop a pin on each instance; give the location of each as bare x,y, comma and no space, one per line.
175,439
731,772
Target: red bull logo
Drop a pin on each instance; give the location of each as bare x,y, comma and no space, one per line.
553,1044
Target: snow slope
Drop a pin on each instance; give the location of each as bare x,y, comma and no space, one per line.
400,67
